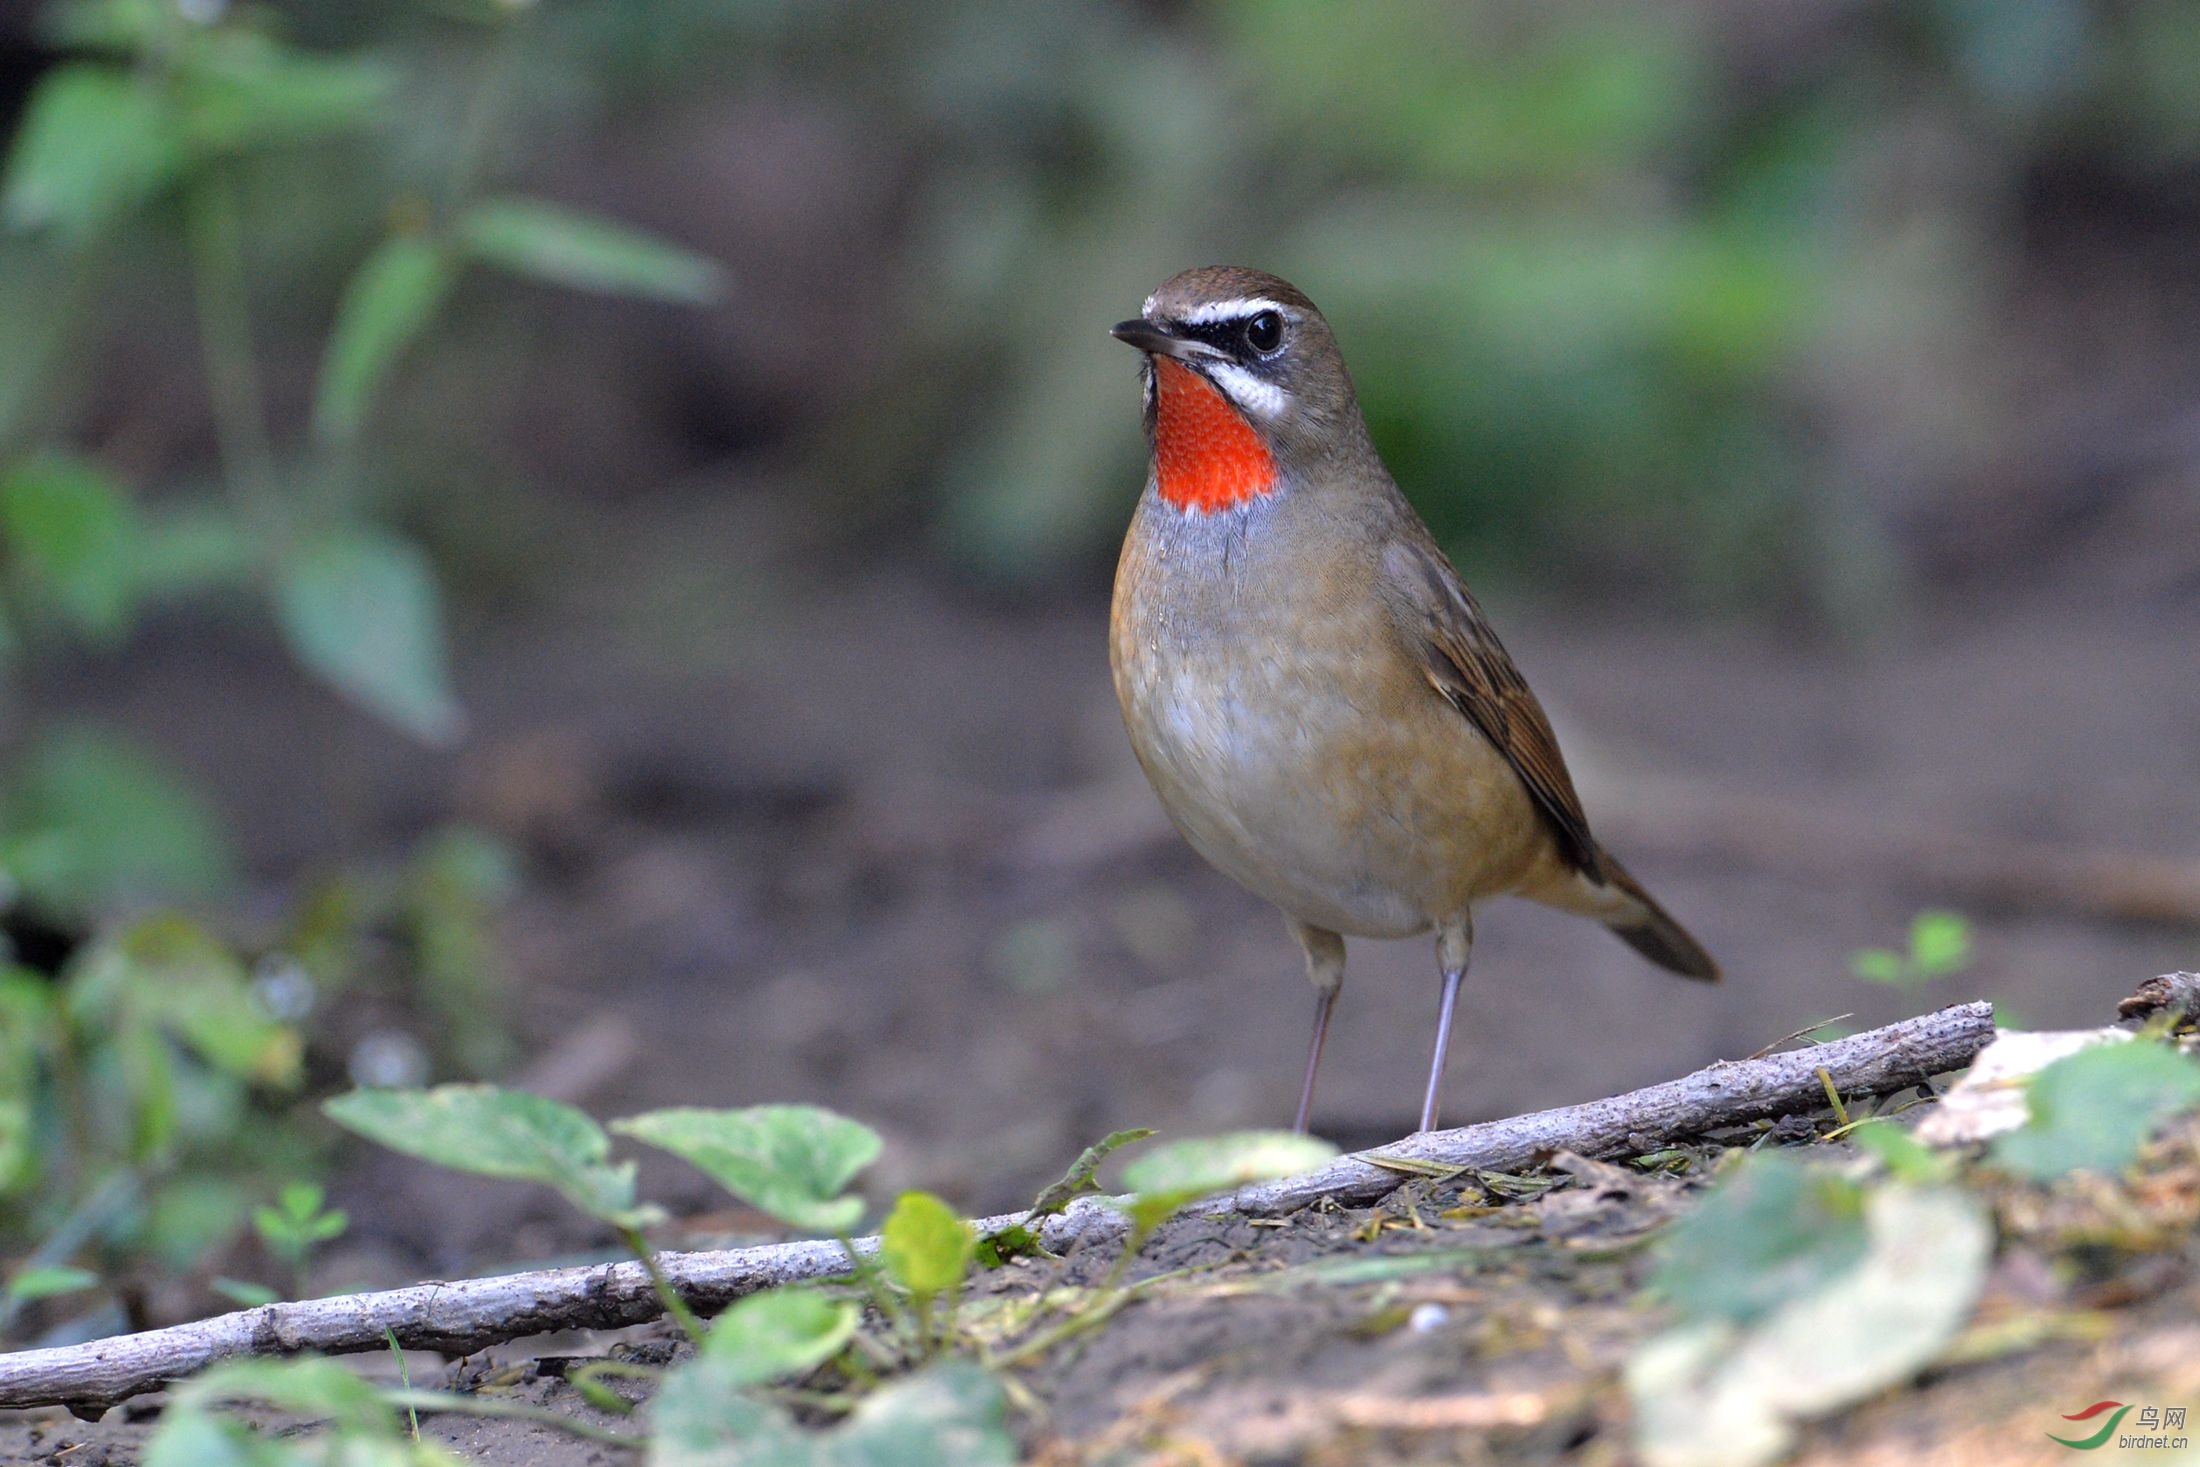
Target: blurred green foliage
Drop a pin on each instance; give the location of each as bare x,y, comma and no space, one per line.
154,1088
1939,947
150,132
1653,293
1607,275
1619,283
148,1075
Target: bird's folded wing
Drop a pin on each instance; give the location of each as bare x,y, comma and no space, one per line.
1466,664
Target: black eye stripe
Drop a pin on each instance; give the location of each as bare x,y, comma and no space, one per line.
1215,333
1228,334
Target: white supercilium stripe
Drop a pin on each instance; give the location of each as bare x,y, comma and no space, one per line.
1231,310
1261,398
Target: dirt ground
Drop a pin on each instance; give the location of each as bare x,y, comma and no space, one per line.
875,843
1454,1323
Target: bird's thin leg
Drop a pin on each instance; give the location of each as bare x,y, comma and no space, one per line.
1453,943
1325,968
1324,1002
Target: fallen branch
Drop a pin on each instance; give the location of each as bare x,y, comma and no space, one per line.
1729,1093
471,1314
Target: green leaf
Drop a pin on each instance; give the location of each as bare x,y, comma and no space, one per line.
1014,1241
48,1281
1771,1229
2093,1110
926,1247
103,25
167,972
95,142
1202,1165
1169,1176
951,1415
197,1438
545,242
296,1222
29,1030
594,1387
301,1200
170,969
1721,1393
243,89
493,1132
776,1334
1906,1158
91,821
184,551
1079,1178
1879,965
791,1161
72,529
360,610
1940,943
388,303
306,1384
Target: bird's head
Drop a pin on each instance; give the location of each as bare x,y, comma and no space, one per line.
1244,386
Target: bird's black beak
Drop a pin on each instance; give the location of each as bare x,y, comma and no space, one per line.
1157,338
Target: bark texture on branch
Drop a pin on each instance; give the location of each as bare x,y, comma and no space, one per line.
1729,1093
472,1314
2176,994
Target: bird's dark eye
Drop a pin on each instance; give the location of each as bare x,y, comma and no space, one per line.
1264,332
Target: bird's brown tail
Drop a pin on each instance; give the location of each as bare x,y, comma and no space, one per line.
1650,930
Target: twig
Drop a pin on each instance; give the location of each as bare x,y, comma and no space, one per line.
1730,1093
470,1314
1794,1034
2177,994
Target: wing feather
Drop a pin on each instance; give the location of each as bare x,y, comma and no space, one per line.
1466,665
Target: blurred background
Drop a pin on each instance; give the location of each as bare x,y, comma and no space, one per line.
569,542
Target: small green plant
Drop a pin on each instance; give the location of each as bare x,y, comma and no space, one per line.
1165,1179
1939,946
359,1423
161,124
797,1163
793,1162
141,1099
928,1251
295,1225
44,1281
151,1089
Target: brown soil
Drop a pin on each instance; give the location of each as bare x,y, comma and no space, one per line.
875,845
1440,1327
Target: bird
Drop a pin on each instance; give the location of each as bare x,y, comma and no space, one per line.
1312,692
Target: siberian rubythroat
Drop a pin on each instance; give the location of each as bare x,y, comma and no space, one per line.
1312,692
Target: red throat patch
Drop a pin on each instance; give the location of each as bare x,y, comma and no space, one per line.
1205,455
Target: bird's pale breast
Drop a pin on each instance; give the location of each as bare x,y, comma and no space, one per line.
1292,740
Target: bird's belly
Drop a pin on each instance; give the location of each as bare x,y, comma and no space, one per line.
1368,808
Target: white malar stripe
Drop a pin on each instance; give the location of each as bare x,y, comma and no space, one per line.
1230,310
1260,398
